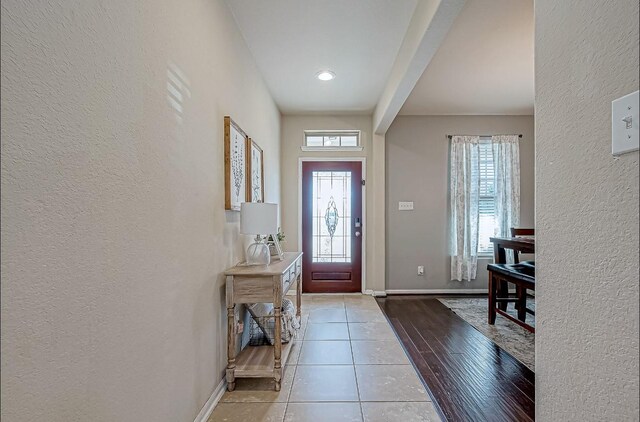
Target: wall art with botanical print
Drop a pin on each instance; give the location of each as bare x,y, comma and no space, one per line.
235,165
255,172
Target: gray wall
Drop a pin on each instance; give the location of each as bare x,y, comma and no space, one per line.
293,127
587,213
417,166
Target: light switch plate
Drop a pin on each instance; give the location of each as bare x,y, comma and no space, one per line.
624,124
405,206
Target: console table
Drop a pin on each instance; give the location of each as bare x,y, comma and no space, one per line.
258,284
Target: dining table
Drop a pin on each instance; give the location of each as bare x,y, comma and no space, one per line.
523,244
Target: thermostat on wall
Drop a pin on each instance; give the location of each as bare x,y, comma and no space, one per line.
405,206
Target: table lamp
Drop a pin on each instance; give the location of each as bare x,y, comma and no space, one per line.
258,218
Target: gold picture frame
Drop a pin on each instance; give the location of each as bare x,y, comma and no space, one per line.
235,165
255,172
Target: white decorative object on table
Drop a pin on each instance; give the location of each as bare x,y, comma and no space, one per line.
258,218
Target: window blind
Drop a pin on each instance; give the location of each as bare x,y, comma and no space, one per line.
487,206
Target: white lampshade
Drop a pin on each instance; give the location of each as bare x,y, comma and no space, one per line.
258,218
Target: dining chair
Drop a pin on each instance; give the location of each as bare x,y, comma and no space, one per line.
518,232
521,293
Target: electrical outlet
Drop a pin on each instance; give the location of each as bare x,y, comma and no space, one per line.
420,270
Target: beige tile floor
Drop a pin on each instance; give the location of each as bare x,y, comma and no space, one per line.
347,365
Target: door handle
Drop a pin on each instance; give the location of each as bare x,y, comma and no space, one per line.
357,234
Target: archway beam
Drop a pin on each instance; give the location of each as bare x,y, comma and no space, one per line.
428,27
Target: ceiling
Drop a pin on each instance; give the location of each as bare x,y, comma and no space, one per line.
291,40
484,65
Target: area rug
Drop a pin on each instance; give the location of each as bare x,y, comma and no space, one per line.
512,338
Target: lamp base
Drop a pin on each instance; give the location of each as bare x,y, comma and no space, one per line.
258,254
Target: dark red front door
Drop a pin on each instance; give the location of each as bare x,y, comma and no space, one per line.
332,226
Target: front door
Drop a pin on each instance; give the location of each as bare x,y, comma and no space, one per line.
332,226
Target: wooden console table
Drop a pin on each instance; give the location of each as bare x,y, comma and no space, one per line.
257,284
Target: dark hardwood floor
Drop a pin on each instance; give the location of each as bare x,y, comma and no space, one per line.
468,376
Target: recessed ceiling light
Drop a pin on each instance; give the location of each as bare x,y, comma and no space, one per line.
325,75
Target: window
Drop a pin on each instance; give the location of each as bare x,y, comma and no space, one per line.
331,214
487,221
328,140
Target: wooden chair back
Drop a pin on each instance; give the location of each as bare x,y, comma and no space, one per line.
515,232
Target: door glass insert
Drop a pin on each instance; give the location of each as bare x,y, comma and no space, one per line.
331,229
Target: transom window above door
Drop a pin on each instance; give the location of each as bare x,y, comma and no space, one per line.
334,140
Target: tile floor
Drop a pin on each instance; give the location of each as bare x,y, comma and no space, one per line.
347,365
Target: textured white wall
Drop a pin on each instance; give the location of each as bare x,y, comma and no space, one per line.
586,213
114,233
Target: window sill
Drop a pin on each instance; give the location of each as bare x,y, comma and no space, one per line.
320,149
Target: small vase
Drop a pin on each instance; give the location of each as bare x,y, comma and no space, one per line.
258,254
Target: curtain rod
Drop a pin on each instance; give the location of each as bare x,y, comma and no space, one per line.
481,136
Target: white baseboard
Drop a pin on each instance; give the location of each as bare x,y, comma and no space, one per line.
436,291
440,291
366,292
208,407
327,294
375,293
383,293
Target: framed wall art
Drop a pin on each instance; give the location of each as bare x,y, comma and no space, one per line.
235,165
255,172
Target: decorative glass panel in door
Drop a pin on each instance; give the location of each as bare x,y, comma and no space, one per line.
332,226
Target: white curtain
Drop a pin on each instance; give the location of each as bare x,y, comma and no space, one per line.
506,162
465,199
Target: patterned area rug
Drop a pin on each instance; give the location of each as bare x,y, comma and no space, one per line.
508,335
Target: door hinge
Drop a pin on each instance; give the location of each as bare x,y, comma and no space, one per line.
362,182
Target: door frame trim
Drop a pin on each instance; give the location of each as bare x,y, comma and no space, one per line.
362,160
